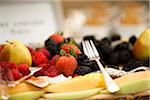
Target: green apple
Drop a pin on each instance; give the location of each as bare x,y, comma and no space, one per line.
30,95
15,51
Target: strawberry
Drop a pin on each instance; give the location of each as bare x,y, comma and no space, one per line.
67,47
66,65
39,58
24,69
16,74
57,38
45,52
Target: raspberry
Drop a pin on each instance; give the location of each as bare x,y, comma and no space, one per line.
39,73
10,65
16,74
54,60
24,69
51,71
54,72
45,66
39,58
45,52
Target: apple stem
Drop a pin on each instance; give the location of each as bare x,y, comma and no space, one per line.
9,42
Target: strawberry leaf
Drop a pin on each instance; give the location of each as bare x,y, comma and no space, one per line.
60,33
71,51
62,52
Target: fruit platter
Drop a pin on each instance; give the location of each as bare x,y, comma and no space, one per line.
61,69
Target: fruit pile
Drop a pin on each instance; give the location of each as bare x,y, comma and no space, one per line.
120,54
62,55
10,71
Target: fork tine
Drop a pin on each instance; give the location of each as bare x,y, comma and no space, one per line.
94,48
84,48
90,49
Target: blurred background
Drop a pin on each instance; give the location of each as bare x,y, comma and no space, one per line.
33,21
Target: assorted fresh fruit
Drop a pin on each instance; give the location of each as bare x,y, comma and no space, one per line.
133,83
86,82
11,71
63,56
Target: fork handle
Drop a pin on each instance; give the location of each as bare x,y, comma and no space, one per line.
109,82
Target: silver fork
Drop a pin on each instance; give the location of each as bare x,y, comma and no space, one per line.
92,53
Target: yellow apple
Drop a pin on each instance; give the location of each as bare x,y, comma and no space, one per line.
15,51
141,48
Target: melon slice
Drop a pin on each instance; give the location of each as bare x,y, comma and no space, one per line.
133,83
30,95
71,95
22,87
90,81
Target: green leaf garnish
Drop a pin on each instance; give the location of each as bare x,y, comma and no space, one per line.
62,52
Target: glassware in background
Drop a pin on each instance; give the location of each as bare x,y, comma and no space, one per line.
98,16
6,80
102,18
131,19
3,87
73,23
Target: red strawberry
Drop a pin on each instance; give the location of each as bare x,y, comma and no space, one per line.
67,65
24,69
39,58
16,74
66,48
45,52
57,38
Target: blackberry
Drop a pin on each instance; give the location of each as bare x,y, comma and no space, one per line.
52,46
115,37
91,64
82,70
104,48
121,46
89,37
124,56
132,64
81,58
113,66
106,40
132,40
114,58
